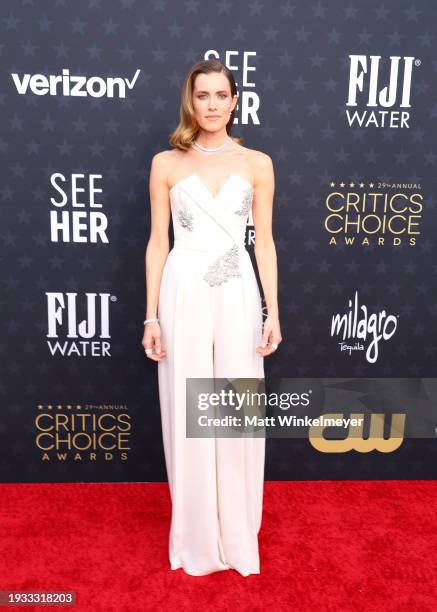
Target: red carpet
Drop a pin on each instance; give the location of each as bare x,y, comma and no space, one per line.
325,546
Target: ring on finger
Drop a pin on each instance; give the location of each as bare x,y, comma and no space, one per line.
148,351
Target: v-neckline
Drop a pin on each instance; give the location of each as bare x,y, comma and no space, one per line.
206,188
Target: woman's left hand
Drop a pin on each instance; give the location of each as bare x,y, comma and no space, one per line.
271,336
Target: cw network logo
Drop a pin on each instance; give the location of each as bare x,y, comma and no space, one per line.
70,85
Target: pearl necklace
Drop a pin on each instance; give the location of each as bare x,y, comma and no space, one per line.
199,147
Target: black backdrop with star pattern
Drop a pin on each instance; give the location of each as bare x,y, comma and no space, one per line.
89,93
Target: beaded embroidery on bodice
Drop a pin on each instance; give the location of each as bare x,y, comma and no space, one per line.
213,222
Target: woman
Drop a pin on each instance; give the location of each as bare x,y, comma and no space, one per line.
204,318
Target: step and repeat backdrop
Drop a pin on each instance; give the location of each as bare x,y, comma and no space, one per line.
341,95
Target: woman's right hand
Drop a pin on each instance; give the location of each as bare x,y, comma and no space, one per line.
152,340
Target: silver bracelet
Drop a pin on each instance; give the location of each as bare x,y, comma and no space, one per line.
150,321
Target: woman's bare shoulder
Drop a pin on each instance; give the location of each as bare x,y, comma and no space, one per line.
260,163
255,157
165,162
167,156
168,160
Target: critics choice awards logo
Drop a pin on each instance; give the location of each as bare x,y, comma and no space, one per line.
83,431
373,212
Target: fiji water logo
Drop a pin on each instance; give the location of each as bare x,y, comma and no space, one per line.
364,328
78,325
382,100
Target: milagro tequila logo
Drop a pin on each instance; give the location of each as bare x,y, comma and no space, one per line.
73,86
365,78
351,326
86,338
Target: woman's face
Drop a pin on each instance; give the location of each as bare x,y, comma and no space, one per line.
212,101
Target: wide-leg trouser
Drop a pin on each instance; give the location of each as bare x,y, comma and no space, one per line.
216,484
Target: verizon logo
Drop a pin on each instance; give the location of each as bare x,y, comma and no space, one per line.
70,85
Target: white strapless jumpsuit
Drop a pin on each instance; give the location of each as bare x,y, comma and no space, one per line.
210,315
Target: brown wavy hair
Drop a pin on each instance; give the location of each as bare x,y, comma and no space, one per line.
187,128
